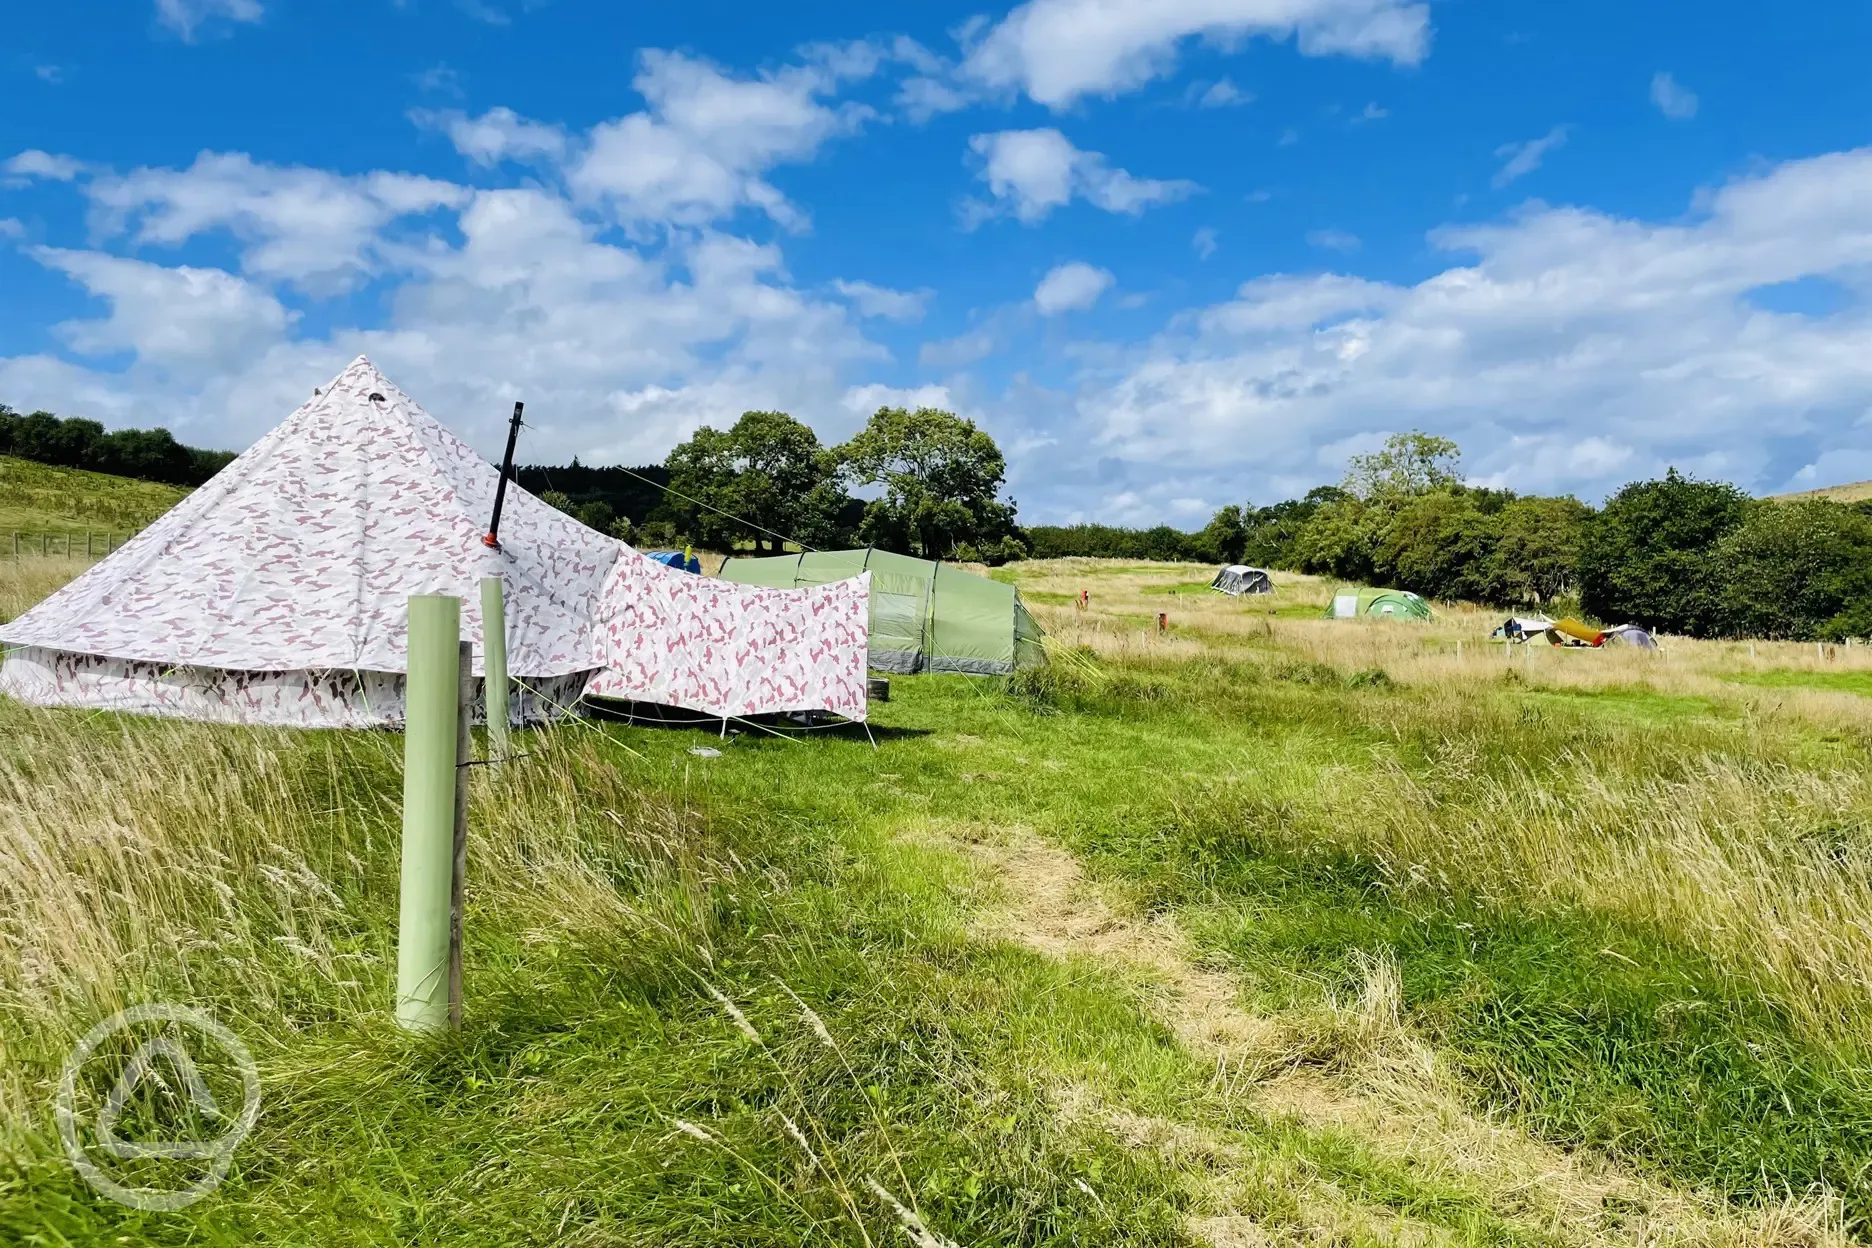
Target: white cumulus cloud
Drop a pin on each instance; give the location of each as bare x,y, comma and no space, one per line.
1059,50
1672,98
1565,349
1071,287
883,302
183,318
308,226
34,163
1032,172
698,152
496,135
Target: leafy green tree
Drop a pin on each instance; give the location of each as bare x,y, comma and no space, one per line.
940,479
1342,539
597,515
1650,555
763,480
1537,550
1273,539
1800,570
559,500
1225,537
1410,464
1104,541
1439,544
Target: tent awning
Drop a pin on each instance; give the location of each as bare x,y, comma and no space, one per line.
925,616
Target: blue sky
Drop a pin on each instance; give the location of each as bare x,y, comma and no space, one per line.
1173,254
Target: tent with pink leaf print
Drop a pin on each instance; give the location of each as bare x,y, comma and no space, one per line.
278,592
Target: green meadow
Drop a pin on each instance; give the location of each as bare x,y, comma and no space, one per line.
1264,928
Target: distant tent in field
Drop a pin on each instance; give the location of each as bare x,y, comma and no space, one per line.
1570,632
1522,627
674,559
1629,635
1350,603
278,592
1238,579
925,616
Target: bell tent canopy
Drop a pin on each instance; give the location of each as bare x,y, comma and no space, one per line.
278,592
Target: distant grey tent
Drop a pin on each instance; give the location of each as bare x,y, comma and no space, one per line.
925,616
1629,635
1238,579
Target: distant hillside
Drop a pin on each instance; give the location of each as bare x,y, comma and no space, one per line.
1854,493
37,497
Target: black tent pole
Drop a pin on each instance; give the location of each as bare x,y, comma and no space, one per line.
500,491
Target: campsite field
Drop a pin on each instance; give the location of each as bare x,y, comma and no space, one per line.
1270,928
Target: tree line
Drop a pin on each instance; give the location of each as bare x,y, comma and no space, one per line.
1700,558
1686,556
922,482
146,454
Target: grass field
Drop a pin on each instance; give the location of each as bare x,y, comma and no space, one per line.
36,498
1267,929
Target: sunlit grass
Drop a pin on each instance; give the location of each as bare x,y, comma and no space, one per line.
40,498
1620,900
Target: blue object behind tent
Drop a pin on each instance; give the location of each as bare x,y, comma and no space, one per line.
674,559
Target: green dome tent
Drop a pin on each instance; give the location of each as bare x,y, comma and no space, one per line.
925,616
1349,603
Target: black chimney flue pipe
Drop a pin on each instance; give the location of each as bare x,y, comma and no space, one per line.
500,491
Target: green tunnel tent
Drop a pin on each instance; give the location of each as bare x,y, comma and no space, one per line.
1350,603
925,616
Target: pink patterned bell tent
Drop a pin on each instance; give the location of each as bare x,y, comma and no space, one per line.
278,592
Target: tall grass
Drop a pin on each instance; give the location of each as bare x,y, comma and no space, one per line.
1625,899
1632,892
26,580
611,916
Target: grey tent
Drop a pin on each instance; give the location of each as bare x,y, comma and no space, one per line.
1630,635
925,616
1238,579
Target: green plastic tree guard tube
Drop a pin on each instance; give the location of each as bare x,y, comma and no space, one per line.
494,663
431,699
